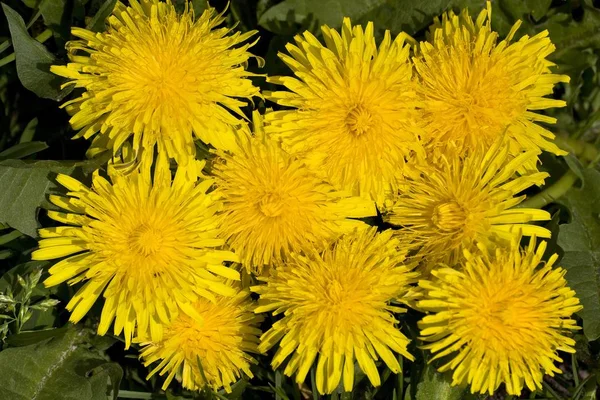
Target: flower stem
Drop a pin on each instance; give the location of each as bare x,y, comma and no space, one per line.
551,193
584,151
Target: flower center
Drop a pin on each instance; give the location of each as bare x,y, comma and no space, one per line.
504,312
448,216
359,120
147,240
272,204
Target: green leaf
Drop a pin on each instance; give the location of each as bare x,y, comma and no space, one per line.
57,16
434,385
31,3
29,131
330,12
33,60
24,189
22,150
9,279
98,23
9,237
538,8
568,34
29,338
59,368
580,241
393,15
199,6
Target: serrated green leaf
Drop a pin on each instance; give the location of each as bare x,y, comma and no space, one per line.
58,368
568,34
434,385
33,60
580,241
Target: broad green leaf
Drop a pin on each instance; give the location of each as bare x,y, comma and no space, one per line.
24,189
22,150
33,60
26,185
97,24
59,368
580,241
434,385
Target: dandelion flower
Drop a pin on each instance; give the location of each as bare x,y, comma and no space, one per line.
500,319
150,247
352,106
273,205
463,200
160,77
338,306
473,88
213,352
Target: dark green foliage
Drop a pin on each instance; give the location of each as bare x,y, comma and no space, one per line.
44,357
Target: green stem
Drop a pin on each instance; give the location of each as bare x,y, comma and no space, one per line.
551,193
400,379
42,37
583,150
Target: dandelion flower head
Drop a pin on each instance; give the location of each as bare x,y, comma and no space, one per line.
160,77
500,319
148,246
337,306
273,205
214,352
473,88
466,199
351,107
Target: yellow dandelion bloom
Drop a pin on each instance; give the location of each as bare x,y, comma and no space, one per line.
211,353
500,319
352,106
463,200
473,88
273,205
159,76
149,246
337,306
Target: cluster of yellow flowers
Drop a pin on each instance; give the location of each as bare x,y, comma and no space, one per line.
437,138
